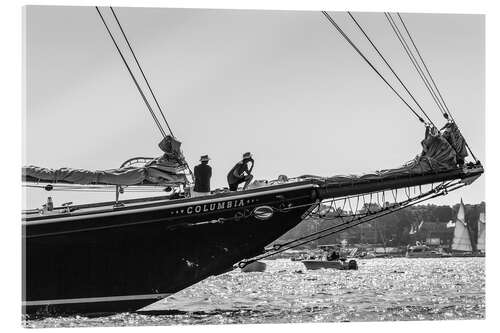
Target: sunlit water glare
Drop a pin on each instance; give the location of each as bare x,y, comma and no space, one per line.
381,290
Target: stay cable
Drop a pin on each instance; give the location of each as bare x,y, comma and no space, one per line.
330,19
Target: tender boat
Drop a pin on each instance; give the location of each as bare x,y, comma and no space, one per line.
333,258
330,264
256,266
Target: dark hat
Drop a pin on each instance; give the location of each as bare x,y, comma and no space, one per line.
204,158
247,155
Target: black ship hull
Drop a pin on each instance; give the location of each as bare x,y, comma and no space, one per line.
122,259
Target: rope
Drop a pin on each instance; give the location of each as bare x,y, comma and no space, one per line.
142,72
433,82
278,248
390,67
320,234
132,75
426,68
414,61
370,64
155,118
442,189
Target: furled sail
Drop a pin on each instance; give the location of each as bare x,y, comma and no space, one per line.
461,237
166,169
452,134
481,232
438,154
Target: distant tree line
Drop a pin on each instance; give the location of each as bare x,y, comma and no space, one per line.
396,229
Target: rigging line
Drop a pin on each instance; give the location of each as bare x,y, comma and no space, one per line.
414,61
140,68
358,221
132,74
348,225
149,87
390,67
369,63
381,210
432,79
425,66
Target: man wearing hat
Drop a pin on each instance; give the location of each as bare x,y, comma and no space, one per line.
202,174
240,173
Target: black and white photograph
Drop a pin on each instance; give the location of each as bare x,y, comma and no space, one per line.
197,166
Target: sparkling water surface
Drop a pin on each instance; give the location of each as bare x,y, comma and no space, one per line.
381,290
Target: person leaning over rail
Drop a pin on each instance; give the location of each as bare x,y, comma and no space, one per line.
202,175
240,173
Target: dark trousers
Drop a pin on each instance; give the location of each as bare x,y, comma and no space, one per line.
234,187
246,180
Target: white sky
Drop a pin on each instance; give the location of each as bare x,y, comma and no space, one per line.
283,85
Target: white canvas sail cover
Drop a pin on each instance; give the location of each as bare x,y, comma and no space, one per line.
165,170
481,232
121,176
461,237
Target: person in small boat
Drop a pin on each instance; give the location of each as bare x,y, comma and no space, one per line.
333,255
240,173
202,175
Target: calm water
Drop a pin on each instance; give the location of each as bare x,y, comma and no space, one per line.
382,289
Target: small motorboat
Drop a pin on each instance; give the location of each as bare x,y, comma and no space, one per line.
341,264
424,251
333,258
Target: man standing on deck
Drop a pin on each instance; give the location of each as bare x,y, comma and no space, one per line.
202,175
240,173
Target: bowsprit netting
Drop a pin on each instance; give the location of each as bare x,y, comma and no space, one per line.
353,210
